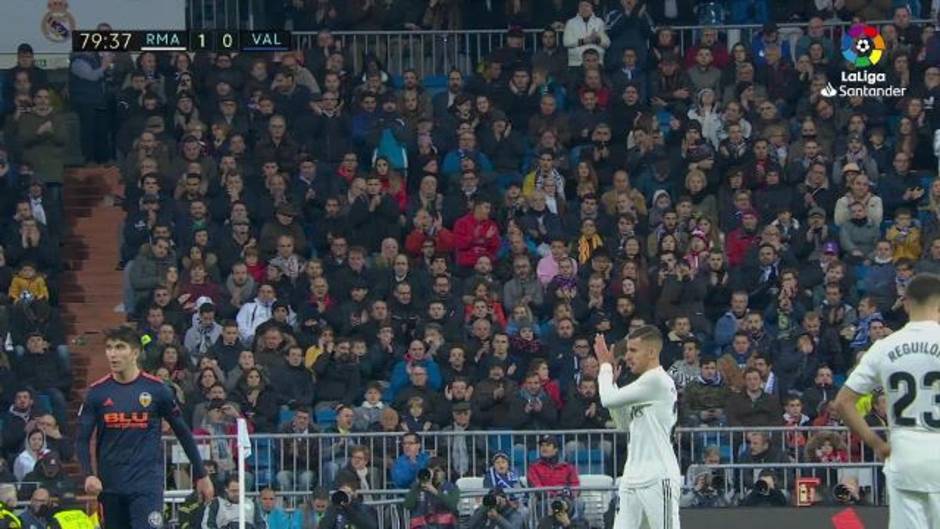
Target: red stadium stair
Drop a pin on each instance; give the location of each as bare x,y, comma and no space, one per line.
90,286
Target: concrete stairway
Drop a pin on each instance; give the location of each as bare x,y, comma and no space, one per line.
91,287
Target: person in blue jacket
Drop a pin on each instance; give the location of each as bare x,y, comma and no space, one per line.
412,459
416,355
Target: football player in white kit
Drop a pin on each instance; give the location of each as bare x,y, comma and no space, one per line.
907,365
646,408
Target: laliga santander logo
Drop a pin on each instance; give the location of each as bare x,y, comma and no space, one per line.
862,46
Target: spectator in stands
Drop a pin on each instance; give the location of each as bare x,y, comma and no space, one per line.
299,452
225,510
38,512
18,419
49,474
502,514
753,406
273,513
760,451
43,372
33,450
350,512
257,400
412,459
549,471
432,499
43,136
359,469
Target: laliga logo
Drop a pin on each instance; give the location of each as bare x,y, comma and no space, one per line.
862,46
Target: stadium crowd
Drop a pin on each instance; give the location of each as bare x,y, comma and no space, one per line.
317,249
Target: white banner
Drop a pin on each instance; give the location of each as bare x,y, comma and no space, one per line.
47,25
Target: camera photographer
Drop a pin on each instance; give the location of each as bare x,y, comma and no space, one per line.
560,516
708,491
496,512
432,499
765,492
346,509
847,492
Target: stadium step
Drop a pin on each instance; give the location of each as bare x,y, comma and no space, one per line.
90,287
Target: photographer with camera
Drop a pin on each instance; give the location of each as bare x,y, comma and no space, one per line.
347,511
561,517
707,490
765,492
847,492
496,512
432,499
222,512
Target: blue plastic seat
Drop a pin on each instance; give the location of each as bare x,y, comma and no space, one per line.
326,418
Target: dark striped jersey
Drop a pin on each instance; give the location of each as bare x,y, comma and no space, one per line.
125,421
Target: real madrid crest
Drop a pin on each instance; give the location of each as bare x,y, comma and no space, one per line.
57,24
145,399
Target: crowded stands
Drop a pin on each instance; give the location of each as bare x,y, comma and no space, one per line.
319,249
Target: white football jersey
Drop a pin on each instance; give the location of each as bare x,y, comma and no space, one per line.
646,408
907,365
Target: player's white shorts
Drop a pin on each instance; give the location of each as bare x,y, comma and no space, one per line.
909,509
653,507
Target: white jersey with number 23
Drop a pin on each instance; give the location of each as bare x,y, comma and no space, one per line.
907,365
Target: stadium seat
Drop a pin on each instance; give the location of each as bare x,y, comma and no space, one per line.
326,418
285,416
468,504
595,502
262,462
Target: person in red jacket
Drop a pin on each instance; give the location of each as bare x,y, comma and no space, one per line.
740,240
476,235
428,227
550,471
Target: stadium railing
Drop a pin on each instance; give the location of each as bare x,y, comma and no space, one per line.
434,53
275,461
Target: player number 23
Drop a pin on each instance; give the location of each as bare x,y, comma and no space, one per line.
899,378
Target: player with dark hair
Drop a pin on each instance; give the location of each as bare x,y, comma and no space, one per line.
123,413
906,365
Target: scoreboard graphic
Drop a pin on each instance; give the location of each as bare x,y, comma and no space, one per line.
174,40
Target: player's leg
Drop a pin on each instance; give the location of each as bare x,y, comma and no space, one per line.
907,509
629,511
114,511
660,503
146,511
933,509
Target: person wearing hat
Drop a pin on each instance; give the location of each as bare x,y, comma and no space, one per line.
670,86
496,511
768,36
50,474
287,221
466,457
855,153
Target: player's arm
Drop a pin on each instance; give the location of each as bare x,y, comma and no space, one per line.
643,389
87,422
173,416
845,403
862,381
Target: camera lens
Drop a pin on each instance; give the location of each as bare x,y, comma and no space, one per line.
761,487
489,501
424,475
339,498
559,506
